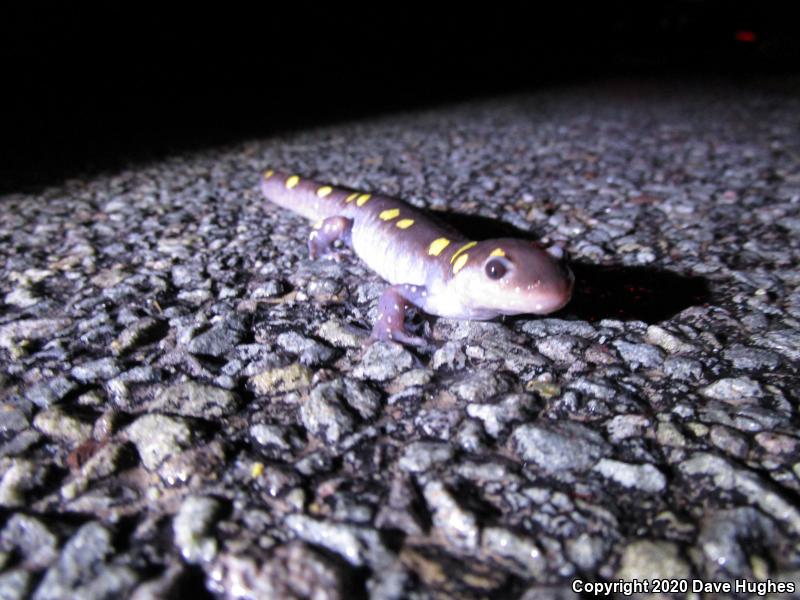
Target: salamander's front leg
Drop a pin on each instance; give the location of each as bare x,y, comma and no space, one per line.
392,307
326,232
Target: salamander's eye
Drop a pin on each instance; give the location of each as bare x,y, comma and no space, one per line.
495,269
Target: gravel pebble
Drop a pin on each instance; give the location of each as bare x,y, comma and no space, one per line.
158,437
383,361
191,529
282,379
639,355
734,390
324,415
646,478
420,457
560,446
56,424
499,544
139,333
28,537
751,359
82,571
192,399
651,559
51,391
457,526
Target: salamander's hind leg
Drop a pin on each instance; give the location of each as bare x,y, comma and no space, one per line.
392,307
326,232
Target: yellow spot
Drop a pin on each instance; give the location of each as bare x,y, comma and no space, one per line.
351,197
388,215
405,223
463,248
498,252
317,225
460,262
292,182
362,199
257,470
324,191
437,245
268,174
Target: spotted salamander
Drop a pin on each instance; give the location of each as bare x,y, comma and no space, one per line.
429,265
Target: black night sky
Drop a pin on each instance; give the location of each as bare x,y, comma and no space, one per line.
91,88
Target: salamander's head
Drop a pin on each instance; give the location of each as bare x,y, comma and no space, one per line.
511,276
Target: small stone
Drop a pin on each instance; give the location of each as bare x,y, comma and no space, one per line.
96,370
450,356
17,478
747,483
310,352
726,535
22,296
639,355
340,335
192,399
545,389
322,413
561,348
12,418
586,551
736,391
419,457
191,527
623,427
270,288
528,560
481,385
684,369
15,584
553,327
456,525
668,435
785,341
217,341
496,417
15,336
728,440
57,425
776,443
646,559
281,379
414,377
383,361
28,537
139,333
269,435
667,340
51,391
157,437
558,447
752,359
645,478
356,544
82,571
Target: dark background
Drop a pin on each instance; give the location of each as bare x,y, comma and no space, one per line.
87,89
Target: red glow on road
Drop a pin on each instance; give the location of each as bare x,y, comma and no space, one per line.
745,36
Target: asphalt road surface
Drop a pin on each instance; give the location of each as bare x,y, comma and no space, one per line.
189,405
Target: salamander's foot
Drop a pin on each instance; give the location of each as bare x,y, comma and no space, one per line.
391,322
325,234
399,335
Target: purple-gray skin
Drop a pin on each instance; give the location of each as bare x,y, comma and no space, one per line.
429,265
